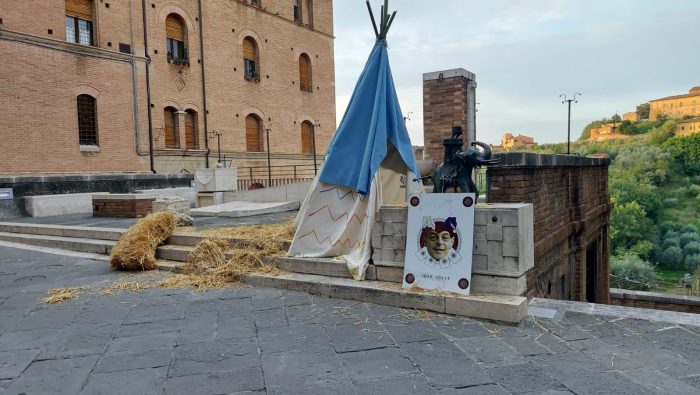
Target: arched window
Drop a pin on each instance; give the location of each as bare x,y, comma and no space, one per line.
79,21
253,133
305,82
175,34
191,129
87,120
307,137
170,125
251,64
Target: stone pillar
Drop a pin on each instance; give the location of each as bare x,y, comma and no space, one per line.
449,99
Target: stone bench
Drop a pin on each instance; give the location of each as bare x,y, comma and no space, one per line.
127,205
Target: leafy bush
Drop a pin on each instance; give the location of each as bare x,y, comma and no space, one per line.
689,228
691,248
692,262
670,241
632,272
685,152
670,202
672,258
642,249
687,238
629,225
666,226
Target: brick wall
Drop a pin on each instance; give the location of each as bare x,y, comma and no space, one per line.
571,220
42,74
448,100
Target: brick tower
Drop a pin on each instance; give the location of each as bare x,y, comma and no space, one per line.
449,99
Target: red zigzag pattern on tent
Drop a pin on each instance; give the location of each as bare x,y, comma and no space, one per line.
345,214
345,243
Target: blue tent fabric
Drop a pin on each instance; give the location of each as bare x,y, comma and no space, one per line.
372,120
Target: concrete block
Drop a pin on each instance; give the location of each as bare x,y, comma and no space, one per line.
499,285
494,232
510,217
511,265
481,247
387,255
205,199
511,249
400,228
504,308
511,234
295,192
376,240
495,248
387,241
215,180
479,232
393,214
480,216
479,262
399,255
389,274
398,242
71,203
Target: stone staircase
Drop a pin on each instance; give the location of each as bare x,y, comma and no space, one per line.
322,276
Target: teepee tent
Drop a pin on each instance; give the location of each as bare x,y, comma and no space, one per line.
369,163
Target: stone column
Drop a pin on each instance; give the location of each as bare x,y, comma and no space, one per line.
181,139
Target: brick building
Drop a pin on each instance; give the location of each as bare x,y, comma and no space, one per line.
85,90
606,131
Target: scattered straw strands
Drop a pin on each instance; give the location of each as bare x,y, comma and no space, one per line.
256,247
136,249
124,286
59,295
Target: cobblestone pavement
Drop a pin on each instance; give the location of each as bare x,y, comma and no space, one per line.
263,340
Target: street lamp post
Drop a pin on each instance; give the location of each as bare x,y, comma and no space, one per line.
313,143
269,168
568,131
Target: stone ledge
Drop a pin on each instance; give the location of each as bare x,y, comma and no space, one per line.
655,297
529,159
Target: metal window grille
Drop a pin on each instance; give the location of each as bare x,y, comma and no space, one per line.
250,71
87,120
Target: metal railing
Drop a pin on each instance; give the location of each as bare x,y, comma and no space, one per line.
255,177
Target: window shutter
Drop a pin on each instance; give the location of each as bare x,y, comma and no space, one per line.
248,49
170,129
191,130
304,83
306,144
174,28
252,134
80,9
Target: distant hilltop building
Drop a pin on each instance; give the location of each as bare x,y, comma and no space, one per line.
688,126
676,106
631,116
606,131
512,143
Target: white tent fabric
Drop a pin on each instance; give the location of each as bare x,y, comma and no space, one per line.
335,221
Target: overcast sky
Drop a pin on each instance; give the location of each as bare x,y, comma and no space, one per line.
525,54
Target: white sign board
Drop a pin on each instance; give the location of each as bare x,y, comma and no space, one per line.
439,242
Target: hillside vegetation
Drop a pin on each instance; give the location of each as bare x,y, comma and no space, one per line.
654,183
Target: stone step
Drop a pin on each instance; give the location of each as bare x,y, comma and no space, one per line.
393,273
78,244
87,232
497,307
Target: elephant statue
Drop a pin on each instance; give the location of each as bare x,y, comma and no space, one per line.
456,170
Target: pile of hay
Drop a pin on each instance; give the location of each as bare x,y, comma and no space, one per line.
254,254
136,249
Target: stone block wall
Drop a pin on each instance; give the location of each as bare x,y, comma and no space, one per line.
653,300
503,245
572,208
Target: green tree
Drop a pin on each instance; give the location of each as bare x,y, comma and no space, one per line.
630,225
643,110
628,128
685,153
632,272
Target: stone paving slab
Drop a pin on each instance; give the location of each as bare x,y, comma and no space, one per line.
261,340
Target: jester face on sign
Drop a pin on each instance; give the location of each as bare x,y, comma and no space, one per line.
439,242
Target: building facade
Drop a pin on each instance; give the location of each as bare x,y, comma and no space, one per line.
688,126
510,142
606,131
128,85
676,106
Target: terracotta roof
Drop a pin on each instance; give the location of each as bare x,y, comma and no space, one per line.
694,119
676,97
